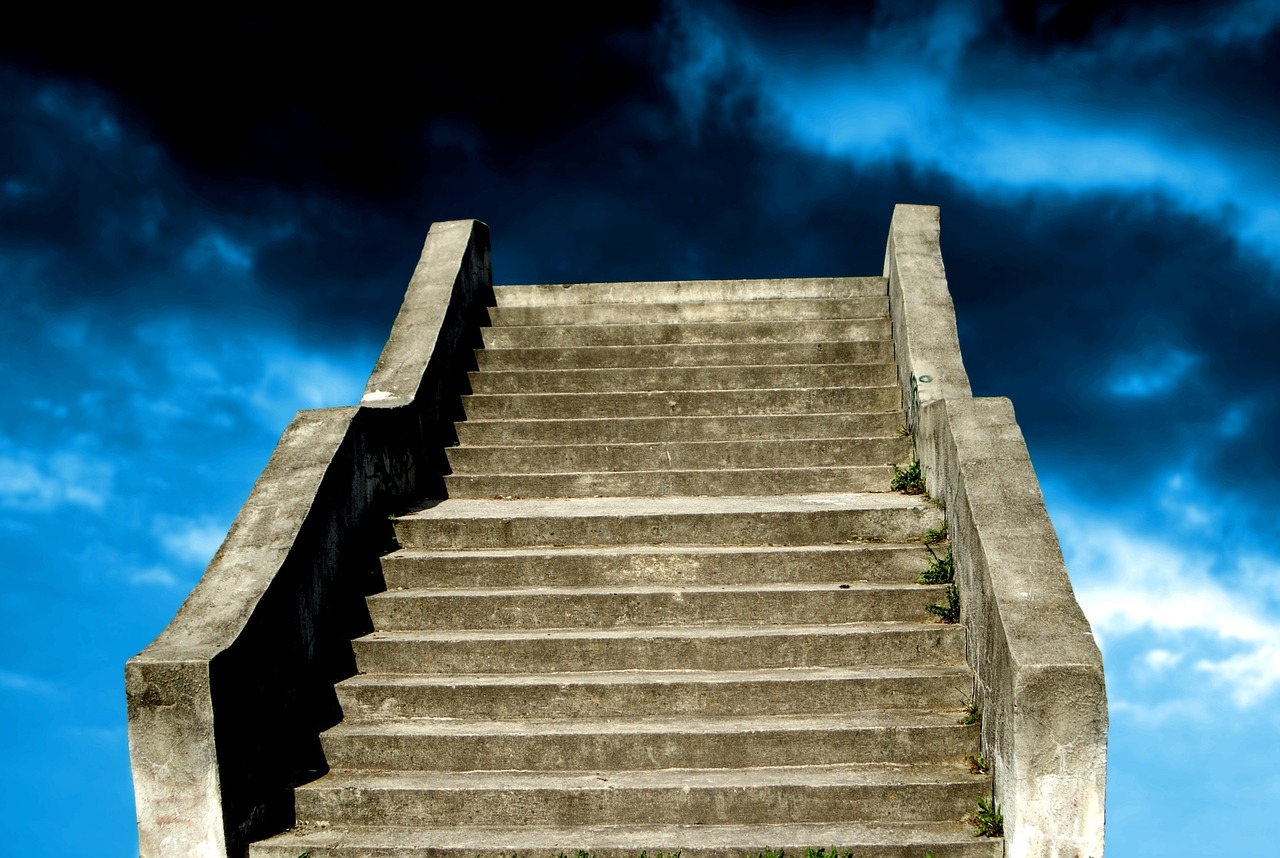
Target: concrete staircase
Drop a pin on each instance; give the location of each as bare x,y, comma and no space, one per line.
669,603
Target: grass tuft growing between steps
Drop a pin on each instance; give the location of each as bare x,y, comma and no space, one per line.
934,535
941,571
908,480
950,612
988,821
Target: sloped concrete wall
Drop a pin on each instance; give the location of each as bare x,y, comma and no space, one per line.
225,707
1039,680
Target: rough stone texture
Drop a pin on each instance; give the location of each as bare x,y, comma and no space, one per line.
923,318
1038,671
226,705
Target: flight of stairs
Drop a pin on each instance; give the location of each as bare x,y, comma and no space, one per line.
669,603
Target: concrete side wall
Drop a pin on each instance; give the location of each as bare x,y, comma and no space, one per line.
1039,680
225,707
925,340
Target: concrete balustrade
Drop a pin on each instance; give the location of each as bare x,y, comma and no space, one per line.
226,705
1038,671
525,594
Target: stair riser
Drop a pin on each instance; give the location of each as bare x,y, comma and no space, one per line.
573,336
680,455
400,611
708,354
687,312
697,806
599,567
557,294
773,697
816,527
870,478
927,645
480,843
662,429
647,751
632,379
682,403
323,844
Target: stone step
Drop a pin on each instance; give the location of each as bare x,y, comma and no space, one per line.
648,606
626,693
721,647
724,742
688,796
489,433
632,379
706,483
863,840
819,519
630,565
573,336
704,354
688,312
645,292
682,403
579,455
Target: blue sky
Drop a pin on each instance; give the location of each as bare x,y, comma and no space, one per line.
183,272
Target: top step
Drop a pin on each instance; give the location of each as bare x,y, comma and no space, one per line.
562,294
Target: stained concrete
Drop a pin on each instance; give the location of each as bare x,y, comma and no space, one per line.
613,605
1039,675
226,705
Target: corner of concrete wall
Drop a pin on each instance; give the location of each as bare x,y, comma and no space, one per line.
928,350
1038,671
225,707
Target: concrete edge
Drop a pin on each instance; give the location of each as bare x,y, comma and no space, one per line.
1038,671
926,343
225,706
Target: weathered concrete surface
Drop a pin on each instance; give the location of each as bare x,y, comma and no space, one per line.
924,319
876,840
1038,671
226,705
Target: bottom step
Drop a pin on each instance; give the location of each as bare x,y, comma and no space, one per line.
944,840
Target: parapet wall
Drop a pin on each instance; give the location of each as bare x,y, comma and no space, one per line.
1038,671
225,707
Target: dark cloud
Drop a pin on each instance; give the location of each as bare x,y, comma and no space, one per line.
201,232
1062,24
346,101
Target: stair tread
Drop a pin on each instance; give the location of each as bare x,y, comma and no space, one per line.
616,507
630,839
713,443
652,725
840,774
694,390
850,586
674,632
622,550
605,678
643,291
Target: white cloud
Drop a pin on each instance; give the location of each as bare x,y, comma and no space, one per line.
190,541
1144,590
1159,659
156,576
1152,374
40,481
992,122
21,682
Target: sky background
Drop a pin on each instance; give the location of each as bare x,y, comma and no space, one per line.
206,226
